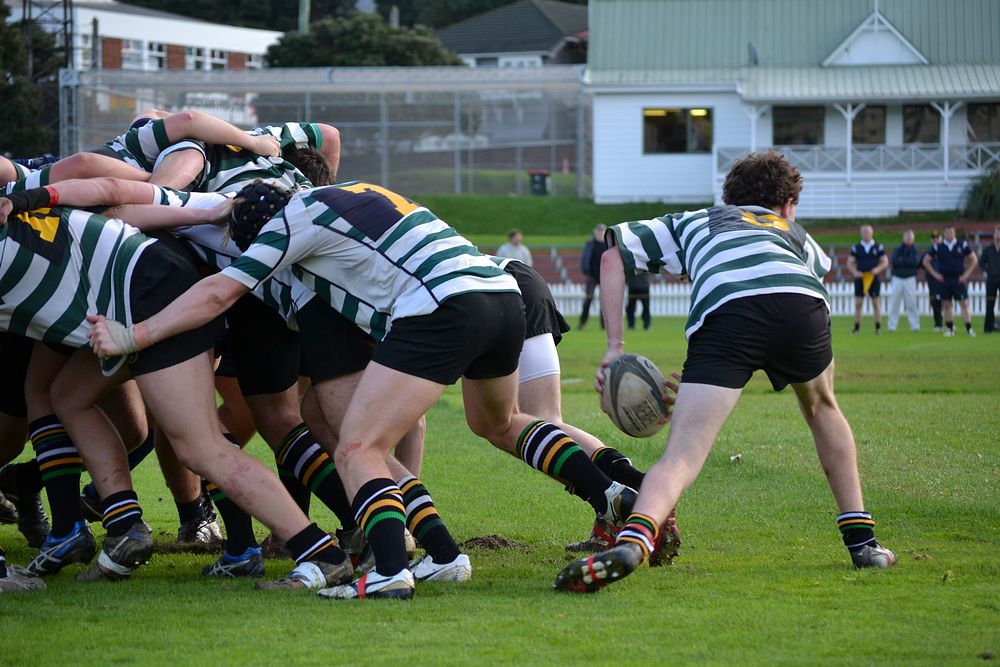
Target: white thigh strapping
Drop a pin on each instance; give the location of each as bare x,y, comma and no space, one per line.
538,358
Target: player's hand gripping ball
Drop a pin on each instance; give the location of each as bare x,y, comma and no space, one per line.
636,396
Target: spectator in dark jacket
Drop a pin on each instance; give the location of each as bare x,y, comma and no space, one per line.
905,262
990,263
590,265
638,292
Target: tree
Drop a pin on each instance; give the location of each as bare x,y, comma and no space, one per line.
440,13
359,40
266,14
22,113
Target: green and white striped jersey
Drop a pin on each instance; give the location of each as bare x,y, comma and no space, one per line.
371,254
728,252
145,147
231,167
283,292
57,265
29,178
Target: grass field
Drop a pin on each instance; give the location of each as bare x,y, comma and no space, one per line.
762,577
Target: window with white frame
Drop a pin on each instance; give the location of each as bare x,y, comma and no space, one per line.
254,61
669,130
921,124
85,54
194,58
869,126
798,126
156,56
133,54
218,59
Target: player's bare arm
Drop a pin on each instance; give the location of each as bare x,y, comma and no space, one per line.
883,264
212,130
929,268
612,302
852,266
205,301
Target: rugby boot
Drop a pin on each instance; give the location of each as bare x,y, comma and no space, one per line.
592,573
312,574
58,552
90,504
425,569
8,513
19,580
203,529
373,585
621,500
668,542
602,536
122,555
873,555
32,520
274,547
248,564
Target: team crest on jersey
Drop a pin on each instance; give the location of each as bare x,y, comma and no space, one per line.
40,231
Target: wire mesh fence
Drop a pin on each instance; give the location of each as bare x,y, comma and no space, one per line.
421,130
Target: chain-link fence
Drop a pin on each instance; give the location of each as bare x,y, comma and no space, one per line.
419,130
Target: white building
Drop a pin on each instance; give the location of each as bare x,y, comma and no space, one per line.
123,36
884,105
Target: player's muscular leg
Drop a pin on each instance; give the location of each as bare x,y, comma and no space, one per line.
184,485
124,407
542,397
234,411
699,413
877,308
385,405
833,437
8,172
182,399
274,415
178,170
75,393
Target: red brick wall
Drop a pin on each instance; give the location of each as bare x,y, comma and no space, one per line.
176,56
111,53
237,60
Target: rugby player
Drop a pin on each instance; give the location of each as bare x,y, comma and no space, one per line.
439,309
757,302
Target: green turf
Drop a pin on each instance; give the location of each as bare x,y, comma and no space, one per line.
762,577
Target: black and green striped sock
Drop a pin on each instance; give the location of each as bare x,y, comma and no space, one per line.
303,457
60,466
378,509
857,529
547,448
424,522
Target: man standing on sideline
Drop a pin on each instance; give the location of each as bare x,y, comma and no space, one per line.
866,262
956,262
905,262
933,291
990,264
590,264
514,248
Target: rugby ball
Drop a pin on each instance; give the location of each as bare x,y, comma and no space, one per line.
633,396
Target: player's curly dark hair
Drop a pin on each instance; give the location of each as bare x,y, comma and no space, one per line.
311,163
763,179
256,203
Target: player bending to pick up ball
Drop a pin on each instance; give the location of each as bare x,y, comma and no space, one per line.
757,302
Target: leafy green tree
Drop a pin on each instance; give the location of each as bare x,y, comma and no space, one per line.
266,14
23,130
359,40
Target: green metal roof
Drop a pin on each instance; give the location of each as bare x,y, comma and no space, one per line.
817,84
662,34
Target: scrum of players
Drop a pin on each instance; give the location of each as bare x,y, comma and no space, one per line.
187,257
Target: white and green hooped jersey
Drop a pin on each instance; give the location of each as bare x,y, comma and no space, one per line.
57,265
728,252
145,147
371,254
27,179
284,292
231,168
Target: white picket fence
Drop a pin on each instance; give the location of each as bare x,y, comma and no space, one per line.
667,299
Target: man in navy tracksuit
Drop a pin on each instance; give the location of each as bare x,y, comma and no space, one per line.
932,285
990,263
905,262
956,262
866,263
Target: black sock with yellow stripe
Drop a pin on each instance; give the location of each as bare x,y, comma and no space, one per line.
424,522
302,457
121,511
60,466
238,524
378,509
857,529
311,543
547,448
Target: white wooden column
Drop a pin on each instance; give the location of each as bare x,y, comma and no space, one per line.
849,111
947,110
754,112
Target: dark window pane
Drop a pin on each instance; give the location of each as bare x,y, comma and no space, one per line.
921,124
869,126
984,122
676,130
798,126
